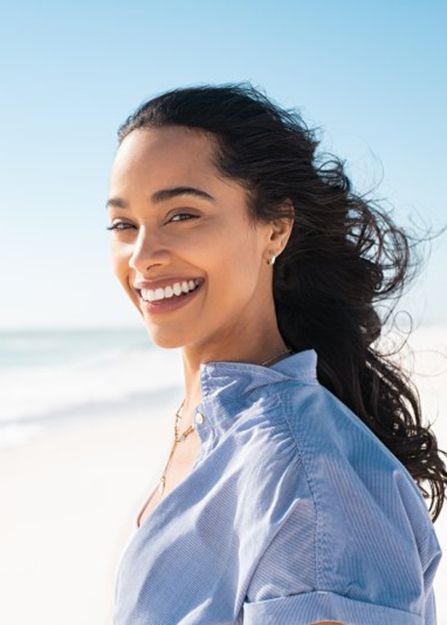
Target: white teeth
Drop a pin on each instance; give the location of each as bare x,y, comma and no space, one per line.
169,291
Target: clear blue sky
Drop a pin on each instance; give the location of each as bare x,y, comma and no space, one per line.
371,74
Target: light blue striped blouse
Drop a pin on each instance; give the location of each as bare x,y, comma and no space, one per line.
294,513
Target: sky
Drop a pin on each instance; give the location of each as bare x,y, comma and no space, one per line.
370,75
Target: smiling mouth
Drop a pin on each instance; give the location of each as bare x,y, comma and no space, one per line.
167,304
172,297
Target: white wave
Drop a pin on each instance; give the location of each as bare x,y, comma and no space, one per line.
101,379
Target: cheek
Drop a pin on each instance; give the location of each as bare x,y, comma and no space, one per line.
233,258
232,281
120,262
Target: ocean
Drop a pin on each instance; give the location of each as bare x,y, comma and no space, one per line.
49,377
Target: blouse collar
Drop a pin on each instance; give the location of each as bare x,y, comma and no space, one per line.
226,385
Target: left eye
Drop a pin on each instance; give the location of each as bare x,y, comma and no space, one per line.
183,215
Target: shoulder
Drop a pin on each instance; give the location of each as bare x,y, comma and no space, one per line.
342,456
351,522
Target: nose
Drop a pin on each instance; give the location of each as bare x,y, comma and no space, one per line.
146,251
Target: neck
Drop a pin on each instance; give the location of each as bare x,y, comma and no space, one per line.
265,354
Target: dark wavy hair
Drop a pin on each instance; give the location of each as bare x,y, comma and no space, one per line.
344,255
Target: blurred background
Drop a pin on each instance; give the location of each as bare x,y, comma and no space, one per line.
86,401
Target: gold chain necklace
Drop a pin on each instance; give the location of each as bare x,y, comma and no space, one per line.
183,436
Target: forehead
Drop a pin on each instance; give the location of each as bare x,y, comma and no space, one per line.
178,152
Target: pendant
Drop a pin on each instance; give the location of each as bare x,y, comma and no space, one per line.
162,483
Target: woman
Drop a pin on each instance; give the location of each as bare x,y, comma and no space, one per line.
292,494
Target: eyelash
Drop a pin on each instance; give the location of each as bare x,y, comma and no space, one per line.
122,223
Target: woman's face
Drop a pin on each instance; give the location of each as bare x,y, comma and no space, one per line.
215,243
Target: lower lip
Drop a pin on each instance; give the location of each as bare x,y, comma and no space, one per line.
172,303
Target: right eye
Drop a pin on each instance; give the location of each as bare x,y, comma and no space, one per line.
119,223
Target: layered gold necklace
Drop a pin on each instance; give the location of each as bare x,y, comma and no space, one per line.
180,438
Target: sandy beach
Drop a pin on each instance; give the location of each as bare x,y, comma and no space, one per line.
70,498
70,501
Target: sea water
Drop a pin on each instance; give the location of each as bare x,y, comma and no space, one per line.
50,376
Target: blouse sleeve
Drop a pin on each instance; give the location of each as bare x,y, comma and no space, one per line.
338,557
322,606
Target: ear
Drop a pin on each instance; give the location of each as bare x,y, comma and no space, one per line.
281,228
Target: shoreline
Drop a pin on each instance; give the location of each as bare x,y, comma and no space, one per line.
71,496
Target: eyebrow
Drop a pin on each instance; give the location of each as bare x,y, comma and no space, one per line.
162,195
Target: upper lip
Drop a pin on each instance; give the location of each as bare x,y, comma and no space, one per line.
162,282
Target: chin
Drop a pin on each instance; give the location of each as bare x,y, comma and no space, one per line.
165,340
